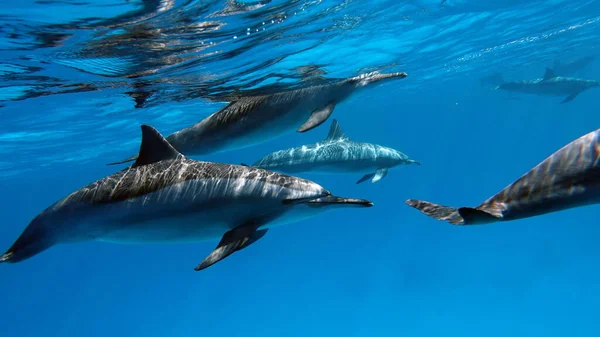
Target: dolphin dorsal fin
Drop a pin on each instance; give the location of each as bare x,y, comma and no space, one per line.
549,74
335,132
154,148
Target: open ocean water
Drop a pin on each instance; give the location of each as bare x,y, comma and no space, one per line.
79,77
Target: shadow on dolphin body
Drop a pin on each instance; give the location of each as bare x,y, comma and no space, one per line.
337,153
568,178
256,119
166,197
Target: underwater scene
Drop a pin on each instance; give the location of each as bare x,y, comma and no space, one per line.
299,168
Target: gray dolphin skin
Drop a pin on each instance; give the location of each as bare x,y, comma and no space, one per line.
336,154
569,178
257,119
551,85
166,197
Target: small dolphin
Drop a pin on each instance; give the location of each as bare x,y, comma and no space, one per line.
166,197
336,153
568,178
551,85
569,68
256,119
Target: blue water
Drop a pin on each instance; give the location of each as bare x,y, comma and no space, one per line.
67,66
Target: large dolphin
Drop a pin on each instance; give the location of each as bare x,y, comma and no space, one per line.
256,119
551,85
568,178
335,154
166,197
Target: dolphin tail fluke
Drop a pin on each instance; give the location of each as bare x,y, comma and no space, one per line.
124,161
455,216
436,211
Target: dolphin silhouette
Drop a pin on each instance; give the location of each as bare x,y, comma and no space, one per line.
337,154
568,178
256,119
551,85
166,197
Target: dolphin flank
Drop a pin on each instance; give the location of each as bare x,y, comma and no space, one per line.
256,119
568,178
551,85
336,154
166,197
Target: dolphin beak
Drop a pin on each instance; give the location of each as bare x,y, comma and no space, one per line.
333,200
393,75
376,77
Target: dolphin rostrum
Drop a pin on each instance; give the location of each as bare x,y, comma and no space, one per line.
255,119
551,85
569,178
337,153
166,197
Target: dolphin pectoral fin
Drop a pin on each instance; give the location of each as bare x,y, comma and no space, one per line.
365,178
123,161
380,174
317,118
6,257
232,241
254,237
570,98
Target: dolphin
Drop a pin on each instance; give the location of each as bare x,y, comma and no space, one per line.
336,154
166,197
568,68
255,119
551,85
569,178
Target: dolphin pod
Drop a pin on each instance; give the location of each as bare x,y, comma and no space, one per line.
337,154
568,178
253,120
166,197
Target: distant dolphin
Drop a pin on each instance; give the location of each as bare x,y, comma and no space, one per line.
568,178
569,68
336,153
256,119
166,197
551,85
